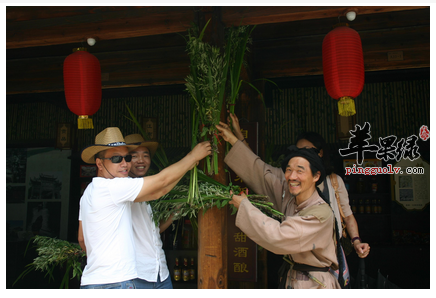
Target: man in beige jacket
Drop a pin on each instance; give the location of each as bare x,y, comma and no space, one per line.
307,233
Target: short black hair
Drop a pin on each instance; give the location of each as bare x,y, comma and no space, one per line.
313,169
99,154
311,155
318,141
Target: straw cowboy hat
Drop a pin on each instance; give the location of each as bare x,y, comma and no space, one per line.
108,138
138,139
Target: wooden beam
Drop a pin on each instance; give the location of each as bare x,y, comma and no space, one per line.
120,69
43,26
278,50
296,56
75,26
235,16
302,56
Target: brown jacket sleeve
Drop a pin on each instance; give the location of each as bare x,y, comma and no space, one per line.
311,233
258,176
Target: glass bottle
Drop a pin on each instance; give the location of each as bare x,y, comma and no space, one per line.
192,270
354,206
367,205
373,185
374,207
379,205
361,206
185,271
176,271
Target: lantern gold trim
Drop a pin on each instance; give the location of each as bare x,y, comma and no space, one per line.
346,106
84,122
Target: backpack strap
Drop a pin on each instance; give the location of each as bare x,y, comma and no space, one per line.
334,181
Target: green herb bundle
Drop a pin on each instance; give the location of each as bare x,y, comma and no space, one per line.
211,195
206,85
52,253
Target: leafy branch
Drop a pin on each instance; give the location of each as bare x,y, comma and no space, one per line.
53,252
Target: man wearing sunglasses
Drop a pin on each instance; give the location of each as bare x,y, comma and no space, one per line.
105,215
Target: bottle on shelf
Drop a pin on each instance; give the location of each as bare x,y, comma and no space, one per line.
374,207
177,273
192,271
361,206
354,205
379,205
367,205
185,271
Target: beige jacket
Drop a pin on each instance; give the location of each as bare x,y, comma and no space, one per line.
306,234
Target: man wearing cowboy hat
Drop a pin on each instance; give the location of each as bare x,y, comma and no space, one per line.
105,207
151,264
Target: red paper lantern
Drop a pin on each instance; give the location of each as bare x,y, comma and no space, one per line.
82,85
344,73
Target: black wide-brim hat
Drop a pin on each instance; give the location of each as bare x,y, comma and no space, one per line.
311,155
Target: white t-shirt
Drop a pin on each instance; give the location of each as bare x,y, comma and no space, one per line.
150,257
105,212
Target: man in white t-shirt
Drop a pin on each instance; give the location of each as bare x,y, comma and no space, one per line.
105,215
151,264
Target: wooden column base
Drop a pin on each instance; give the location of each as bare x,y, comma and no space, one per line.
212,249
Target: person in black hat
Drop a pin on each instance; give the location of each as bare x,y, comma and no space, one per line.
306,234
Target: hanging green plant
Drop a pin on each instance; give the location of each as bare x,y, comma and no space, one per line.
212,194
54,252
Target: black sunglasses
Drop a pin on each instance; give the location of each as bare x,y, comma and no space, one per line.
118,158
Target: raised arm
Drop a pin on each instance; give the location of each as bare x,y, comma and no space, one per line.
160,184
257,175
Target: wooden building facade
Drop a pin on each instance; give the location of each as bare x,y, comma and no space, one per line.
142,52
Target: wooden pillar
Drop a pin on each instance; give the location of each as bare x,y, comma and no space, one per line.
212,225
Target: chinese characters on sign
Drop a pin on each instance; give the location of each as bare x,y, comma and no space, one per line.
150,127
242,251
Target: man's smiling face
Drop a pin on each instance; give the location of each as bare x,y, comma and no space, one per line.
141,161
299,176
110,169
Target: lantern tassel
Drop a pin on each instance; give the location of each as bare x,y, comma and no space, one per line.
83,122
346,106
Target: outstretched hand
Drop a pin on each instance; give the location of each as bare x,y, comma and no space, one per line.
201,150
226,133
236,200
233,120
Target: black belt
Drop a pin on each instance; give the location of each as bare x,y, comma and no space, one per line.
304,267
